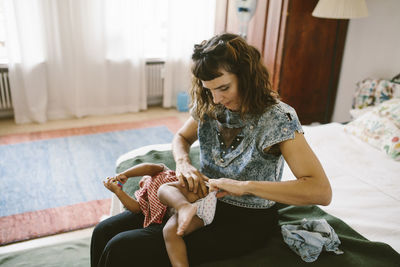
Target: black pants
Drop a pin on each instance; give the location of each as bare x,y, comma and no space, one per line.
121,240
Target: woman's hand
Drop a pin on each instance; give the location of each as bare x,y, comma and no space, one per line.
227,186
188,175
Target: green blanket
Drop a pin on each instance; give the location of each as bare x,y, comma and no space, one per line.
358,251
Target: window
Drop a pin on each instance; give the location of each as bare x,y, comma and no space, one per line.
3,50
125,21
156,23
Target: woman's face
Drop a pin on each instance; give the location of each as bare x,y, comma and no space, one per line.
224,90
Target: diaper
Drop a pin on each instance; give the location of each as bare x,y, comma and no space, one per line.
206,207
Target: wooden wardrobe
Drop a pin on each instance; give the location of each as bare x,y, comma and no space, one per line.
302,53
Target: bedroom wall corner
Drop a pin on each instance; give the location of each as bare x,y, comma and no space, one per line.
371,51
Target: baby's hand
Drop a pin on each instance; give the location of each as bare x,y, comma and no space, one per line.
121,178
112,184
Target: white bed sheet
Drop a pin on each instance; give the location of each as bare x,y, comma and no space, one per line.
365,182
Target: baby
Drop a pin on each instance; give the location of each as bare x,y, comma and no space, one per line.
159,182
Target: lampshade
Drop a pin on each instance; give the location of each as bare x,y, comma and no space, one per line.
340,9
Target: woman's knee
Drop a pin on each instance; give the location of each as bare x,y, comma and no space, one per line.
102,228
99,233
119,223
119,243
135,248
117,252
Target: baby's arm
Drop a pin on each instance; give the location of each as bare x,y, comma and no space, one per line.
140,170
129,202
137,170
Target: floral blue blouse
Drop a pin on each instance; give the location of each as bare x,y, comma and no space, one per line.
246,149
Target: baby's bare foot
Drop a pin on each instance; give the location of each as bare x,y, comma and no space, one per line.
185,215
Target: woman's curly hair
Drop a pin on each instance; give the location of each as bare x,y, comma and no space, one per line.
231,53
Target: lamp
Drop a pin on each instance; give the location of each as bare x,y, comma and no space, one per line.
340,9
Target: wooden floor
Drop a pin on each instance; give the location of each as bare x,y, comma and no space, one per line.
8,127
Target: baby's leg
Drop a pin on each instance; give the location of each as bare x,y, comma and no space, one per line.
195,223
175,245
179,198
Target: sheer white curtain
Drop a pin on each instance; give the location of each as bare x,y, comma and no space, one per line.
76,58
189,23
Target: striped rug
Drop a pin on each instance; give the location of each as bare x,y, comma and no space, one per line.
51,181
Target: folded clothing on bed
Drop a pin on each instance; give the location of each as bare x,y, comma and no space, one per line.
310,237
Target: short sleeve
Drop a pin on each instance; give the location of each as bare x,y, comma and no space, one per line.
278,124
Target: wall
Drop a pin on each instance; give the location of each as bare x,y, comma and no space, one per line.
372,49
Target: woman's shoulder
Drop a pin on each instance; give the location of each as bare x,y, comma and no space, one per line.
278,123
279,111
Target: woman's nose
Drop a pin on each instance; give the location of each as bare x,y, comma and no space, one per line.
216,97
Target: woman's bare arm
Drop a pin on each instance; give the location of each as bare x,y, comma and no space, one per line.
185,171
311,186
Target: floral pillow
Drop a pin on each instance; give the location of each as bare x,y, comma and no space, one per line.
357,112
379,128
371,92
391,110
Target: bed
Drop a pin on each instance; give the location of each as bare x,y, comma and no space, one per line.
365,209
365,182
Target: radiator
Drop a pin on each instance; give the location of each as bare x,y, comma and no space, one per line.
155,82
6,108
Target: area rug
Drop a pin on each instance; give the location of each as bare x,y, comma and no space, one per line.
51,182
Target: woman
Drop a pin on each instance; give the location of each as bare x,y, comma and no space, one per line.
245,134
243,131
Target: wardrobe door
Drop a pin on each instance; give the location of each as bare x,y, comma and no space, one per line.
277,12
310,62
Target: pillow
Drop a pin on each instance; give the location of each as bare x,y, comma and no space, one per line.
386,90
378,128
357,112
391,110
371,92
364,94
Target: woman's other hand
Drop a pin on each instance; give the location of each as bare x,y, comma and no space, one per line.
227,186
186,173
189,176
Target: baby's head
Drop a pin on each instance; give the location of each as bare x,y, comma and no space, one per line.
143,180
